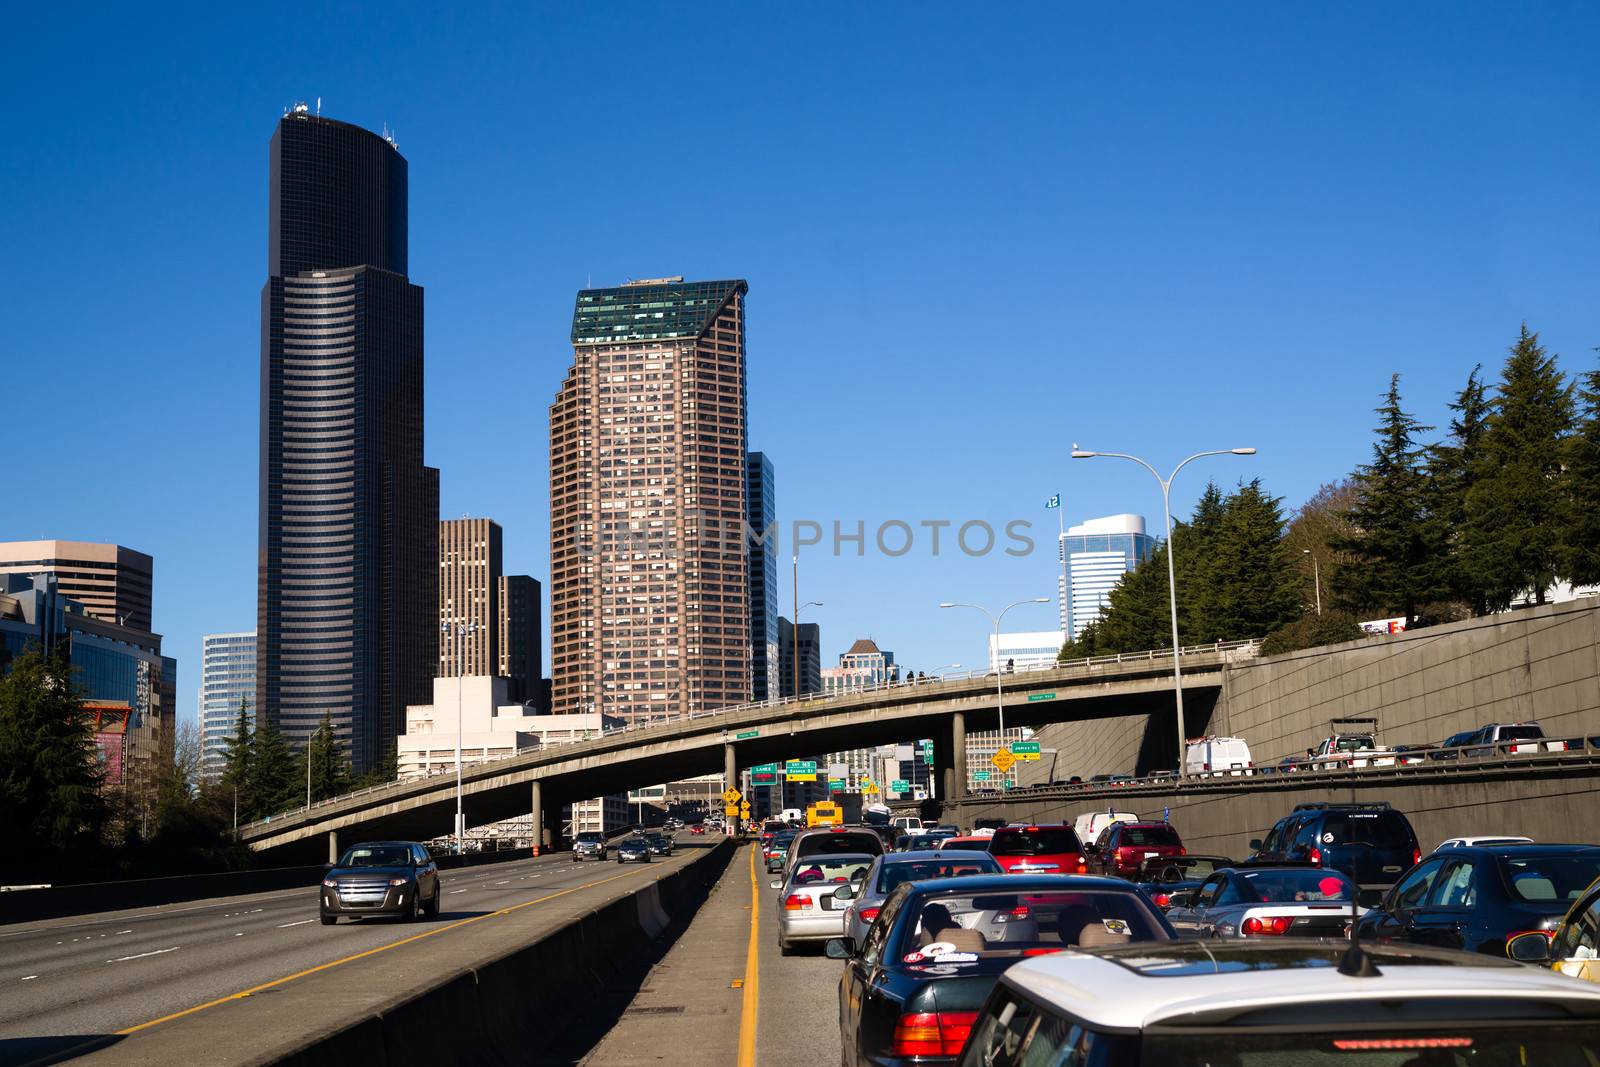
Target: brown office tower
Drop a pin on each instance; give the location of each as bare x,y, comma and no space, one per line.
649,593
521,629
111,582
469,597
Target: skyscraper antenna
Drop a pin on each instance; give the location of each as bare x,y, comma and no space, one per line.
319,105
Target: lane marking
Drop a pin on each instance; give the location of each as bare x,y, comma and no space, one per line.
119,932
302,922
29,978
142,955
752,975
381,948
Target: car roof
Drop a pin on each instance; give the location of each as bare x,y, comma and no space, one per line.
1189,982
1022,883
923,855
1521,848
382,844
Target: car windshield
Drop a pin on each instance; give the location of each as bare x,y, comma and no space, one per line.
823,869
1150,835
590,839
1026,923
1301,886
1464,1047
893,874
1035,841
1379,829
1546,879
376,856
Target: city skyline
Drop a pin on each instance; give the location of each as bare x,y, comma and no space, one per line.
1310,248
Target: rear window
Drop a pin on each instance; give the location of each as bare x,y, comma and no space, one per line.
1301,887
1378,829
1352,743
1550,879
1150,835
827,869
837,844
1520,733
1026,924
893,874
1045,841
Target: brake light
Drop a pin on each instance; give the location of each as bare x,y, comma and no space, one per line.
1364,1044
1315,856
1082,868
869,914
1030,829
932,1034
1416,856
1182,851
837,829
1163,901
796,902
1020,911
1205,766
1278,925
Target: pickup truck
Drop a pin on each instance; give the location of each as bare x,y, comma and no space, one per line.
1349,750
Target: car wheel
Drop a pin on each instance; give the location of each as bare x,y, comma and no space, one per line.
784,948
416,906
329,920
433,905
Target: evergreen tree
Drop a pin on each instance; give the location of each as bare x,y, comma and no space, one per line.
1083,647
1453,467
1253,587
1136,612
1514,509
277,778
236,762
1393,563
1195,565
50,774
1582,525
330,774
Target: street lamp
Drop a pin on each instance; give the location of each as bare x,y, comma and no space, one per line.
999,674
1172,581
1316,571
460,629
794,636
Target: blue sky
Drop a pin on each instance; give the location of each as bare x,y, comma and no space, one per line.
972,236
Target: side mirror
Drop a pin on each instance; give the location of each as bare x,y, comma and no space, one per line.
840,948
1531,947
327,866
844,892
1255,844
774,885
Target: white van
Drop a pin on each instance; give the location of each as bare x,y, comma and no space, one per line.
906,824
1090,823
1218,757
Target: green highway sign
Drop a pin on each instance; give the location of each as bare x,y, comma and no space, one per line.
765,768
1025,750
745,735
1040,696
898,786
980,776
835,785
797,770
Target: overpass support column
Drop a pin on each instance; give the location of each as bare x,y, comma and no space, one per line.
537,819
955,760
333,846
730,777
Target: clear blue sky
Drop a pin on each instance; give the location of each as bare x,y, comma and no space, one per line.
972,236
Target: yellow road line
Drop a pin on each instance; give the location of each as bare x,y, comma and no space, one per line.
374,951
752,974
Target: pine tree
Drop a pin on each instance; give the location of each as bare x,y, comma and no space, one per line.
277,778
1393,565
1195,564
50,774
1254,588
330,774
1136,612
1514,530
236,777
1581,536
1453,469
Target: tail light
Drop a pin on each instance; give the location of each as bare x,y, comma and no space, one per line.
796,902
1278,925
1082,867
932,1033
1205,766
1315,856
868,914
1163,901
1416,856
1019,912
1182,851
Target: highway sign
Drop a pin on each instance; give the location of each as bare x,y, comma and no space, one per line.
1032,697
1003,760
835,785
899,786
869,787
744,809
800,770
1025,750
980,776
730,810
731,795
765,768
745,735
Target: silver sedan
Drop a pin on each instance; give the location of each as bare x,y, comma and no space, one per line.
806,908
1250,902
866,896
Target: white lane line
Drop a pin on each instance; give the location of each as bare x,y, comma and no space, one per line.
453,892
238,935
302,922
119,931
29,978
506,882
142,955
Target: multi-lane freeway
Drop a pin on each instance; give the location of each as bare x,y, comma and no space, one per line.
112,972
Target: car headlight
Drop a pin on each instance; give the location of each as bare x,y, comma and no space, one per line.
330,883
397,882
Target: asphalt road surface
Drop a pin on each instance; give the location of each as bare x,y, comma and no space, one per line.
102,973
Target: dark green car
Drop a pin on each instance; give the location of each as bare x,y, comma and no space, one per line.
776,851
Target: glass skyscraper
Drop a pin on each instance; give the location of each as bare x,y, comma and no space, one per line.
761,500
348,590
227,677
1098,553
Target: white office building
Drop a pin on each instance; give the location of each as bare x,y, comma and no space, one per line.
1025,651
1097,554
227,677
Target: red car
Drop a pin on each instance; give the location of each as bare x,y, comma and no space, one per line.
697,828
1038,850
1124,847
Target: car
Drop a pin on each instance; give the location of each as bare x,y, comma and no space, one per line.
807,910
1477,898
1473,842
1485,741
920,842
589,846
658,844
1372,843
975,841
1450,747
635,849
1573,947
1088,825
776,850
1124,847
987,824
1206,757
1267,901
837,840
911,990
1166,880
397,878
697,828
1039,849
771,828
867,896
1280,1001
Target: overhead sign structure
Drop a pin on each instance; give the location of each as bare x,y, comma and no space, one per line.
1003,760
1025,750
731,795
800,770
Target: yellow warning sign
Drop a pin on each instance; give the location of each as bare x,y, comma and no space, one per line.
1003,759
731,795
730,810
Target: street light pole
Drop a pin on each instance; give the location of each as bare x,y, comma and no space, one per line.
1316,572
1172,580
999,672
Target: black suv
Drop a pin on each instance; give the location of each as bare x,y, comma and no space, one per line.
1371,843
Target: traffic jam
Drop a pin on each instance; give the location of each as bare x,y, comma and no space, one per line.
1339,939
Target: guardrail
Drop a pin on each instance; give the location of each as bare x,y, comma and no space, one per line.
1231,650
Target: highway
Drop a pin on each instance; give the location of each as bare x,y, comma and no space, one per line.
105,973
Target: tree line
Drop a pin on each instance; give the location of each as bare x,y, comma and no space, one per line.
1501,508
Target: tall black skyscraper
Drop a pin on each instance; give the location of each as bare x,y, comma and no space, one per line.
762,511
348,589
